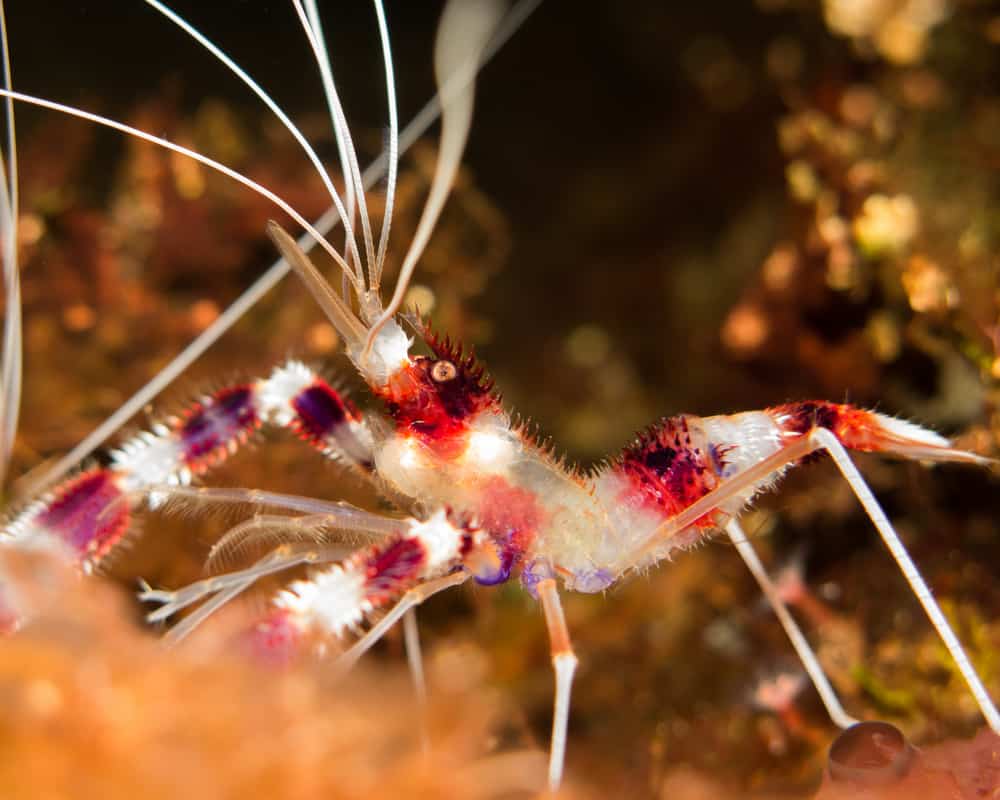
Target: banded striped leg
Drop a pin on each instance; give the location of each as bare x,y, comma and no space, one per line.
397,573
802,648
564,663
824,439
91,511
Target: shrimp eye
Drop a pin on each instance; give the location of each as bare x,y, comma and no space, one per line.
443,371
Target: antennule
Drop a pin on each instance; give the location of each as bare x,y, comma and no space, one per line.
375,277
463,35
11,359
345,144
333,305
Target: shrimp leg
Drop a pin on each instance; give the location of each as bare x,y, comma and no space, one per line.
564,663
802,647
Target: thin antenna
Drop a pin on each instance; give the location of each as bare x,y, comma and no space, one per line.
462,38
10,375
390,186
337,311
184,151
313,32
345,162
345,215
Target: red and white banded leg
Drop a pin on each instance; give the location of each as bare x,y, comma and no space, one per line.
91,512
400,573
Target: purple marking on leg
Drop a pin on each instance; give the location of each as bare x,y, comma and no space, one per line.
88,513
508,558
500,575
533,574
392,569
227,417
320,410
670,466
592,581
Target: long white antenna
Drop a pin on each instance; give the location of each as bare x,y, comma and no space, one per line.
184,151
462,38
313,31
10,376
345,215
350,190
390,184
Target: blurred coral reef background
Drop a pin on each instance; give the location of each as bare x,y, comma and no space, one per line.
666,207
95,708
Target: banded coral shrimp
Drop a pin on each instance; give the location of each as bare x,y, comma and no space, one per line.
525,405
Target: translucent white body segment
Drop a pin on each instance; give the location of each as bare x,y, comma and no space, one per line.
487,449
409,467
412,467
498,475
739,441
493,446
576,533
742,439
633,522
910,431
390,352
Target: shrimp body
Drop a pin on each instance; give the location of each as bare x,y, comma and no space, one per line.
680,460
448,442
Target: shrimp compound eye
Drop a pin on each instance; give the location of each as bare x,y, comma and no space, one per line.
443,371
870,754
